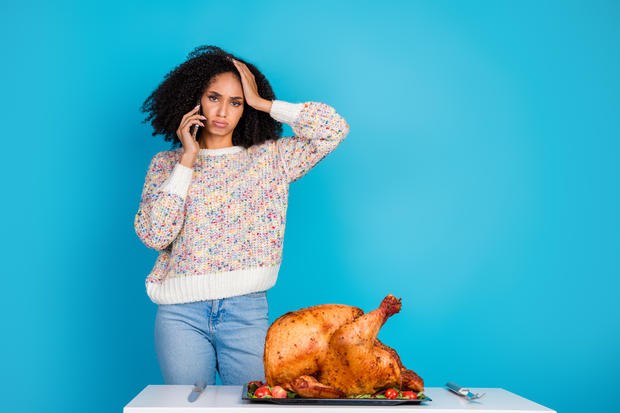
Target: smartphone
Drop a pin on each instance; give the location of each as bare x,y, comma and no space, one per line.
195,127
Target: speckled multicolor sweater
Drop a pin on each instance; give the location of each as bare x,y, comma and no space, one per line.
219,226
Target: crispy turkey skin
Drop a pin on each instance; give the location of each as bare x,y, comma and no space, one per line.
297,342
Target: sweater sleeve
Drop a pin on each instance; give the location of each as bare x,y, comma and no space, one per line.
162,205
318,131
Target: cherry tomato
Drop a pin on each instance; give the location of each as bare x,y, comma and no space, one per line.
391,394
257,382
278,392
262,391
409,395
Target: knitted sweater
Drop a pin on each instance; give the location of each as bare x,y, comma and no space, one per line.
219,226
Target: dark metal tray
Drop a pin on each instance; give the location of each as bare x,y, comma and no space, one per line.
303,400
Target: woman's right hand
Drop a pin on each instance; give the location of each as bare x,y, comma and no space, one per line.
187,134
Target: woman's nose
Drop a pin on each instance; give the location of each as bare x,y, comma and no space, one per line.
221,111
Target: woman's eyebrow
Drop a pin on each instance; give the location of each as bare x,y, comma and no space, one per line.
217,94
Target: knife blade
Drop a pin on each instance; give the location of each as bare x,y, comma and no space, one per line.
198,388
462,391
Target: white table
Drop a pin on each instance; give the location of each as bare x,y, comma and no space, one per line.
173,399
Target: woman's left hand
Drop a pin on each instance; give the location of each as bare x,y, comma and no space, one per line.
250,90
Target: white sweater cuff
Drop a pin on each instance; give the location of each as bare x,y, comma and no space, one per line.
285,111
179,180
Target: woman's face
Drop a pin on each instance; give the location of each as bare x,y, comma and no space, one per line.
222,104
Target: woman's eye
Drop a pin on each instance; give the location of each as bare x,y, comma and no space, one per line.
235,103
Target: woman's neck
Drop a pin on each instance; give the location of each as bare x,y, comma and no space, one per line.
215,142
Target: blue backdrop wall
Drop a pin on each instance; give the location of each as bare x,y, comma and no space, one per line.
479,182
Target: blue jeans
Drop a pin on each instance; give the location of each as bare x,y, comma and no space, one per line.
194,340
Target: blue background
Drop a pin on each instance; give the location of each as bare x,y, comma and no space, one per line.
479,182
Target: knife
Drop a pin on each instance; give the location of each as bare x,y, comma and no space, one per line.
462,391
198,388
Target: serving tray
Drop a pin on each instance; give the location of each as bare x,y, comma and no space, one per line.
304,400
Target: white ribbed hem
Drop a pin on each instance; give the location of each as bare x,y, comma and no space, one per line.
285,111
179,180
212,286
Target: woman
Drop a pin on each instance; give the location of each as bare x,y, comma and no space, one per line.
215,209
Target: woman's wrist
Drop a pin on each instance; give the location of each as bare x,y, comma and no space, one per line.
264,105
188,159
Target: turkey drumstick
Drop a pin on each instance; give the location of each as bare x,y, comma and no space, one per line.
354,363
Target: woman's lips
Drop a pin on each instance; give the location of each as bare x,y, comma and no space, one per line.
220,124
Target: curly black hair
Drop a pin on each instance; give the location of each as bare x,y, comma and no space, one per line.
186,83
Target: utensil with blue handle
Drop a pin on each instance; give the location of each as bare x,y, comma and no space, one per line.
198,388
462,391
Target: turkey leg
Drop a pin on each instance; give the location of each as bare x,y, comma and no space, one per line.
354,363
308,386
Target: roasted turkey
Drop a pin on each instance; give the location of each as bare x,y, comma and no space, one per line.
332,351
